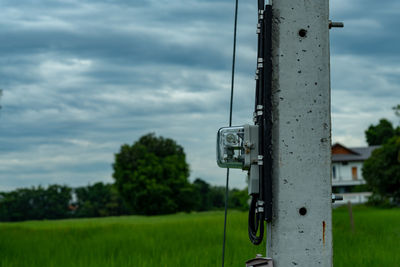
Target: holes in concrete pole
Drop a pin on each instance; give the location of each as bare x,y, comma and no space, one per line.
302,33
303,211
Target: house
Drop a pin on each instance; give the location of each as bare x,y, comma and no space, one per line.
347,179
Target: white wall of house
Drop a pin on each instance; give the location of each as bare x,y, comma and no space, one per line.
343,174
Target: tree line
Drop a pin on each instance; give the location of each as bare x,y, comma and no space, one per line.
382,170
151,177
100,200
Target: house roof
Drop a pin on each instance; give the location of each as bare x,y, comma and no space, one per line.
341,153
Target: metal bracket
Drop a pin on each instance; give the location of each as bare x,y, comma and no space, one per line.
250,147
260,261
335,24
259,110
336,198
258,28
260,160
260,206
260,63
261,14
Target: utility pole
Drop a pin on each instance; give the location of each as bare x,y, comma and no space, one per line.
287,153
301,233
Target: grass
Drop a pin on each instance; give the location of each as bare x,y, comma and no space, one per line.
375,241
183,240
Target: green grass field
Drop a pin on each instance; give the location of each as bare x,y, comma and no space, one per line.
184,240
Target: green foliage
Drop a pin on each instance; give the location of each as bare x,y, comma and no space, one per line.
154,241
152,176
238,199
377,200
98,200
397,131
217,196
202,195
55,202
213,197
35,203
380,133
382,170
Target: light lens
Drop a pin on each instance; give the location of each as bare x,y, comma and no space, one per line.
230,147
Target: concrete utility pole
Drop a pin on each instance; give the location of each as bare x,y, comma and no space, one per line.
301,135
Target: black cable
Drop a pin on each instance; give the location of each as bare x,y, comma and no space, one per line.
233,63
226,215
255,222
256,209
267,116
230,124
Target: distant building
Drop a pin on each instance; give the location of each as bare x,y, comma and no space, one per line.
347,179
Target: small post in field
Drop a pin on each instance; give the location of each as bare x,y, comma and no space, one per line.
350,208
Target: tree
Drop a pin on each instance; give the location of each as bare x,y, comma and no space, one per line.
380,133
213,197
217,195
152,176
239,199
202,195
98,200
35,203
382,170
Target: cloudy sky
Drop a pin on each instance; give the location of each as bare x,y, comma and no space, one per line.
80,78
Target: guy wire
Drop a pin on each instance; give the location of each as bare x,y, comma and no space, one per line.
230,124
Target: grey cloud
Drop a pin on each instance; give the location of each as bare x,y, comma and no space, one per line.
80,78
370,29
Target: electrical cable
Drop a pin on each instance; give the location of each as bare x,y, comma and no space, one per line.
230,124
255,222
256,209
267,123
